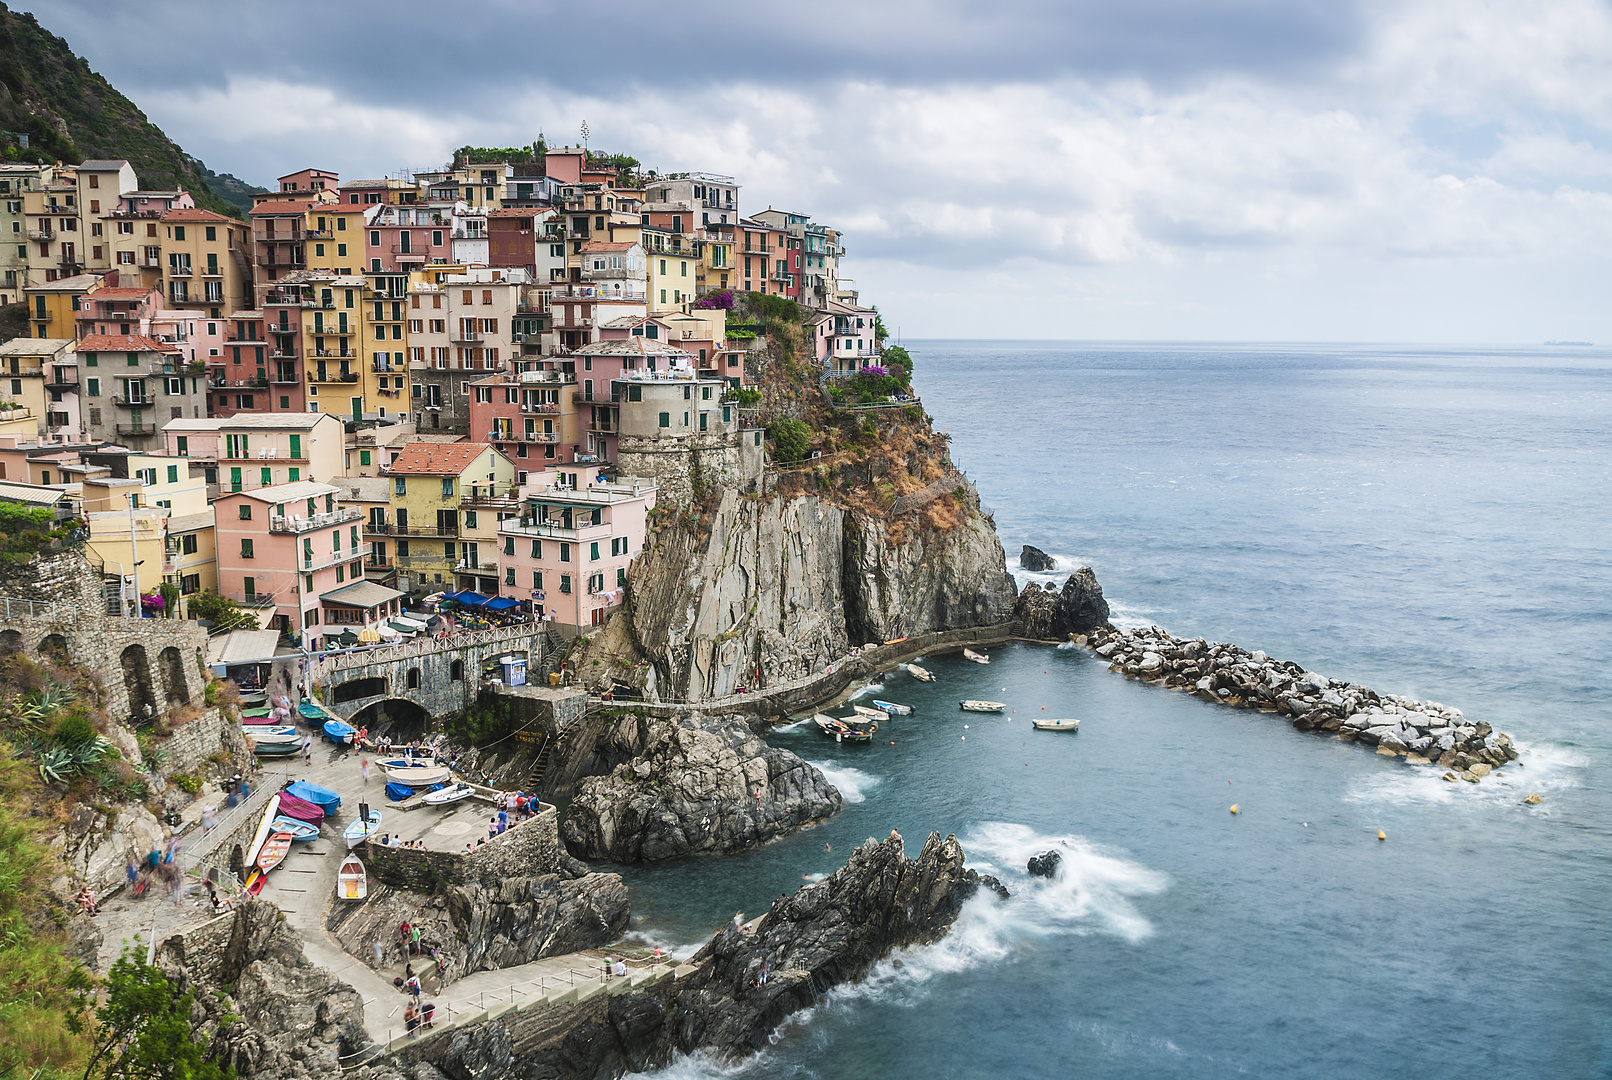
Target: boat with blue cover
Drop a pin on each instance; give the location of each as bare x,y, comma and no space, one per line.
323,798
894,708
312,711
340,732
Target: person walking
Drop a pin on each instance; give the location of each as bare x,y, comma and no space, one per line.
363,767
411,1021
307,749
379,949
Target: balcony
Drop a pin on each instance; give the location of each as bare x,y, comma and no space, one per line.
286,299
427,531
179,271
465,336
281,353
251,338
296,524
480,569
598,397
408,250
253,599
292,237
377,565
286,378
62,382
499,435
139,431
317,234
255,383
336,354
43,235
596,427
131,402
288,260
350,377
379,528
557,530
384,367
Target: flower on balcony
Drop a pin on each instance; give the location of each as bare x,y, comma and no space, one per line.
153,604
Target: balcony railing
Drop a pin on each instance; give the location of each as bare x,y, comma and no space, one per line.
380,528
131,402
500,435
557,530
293,260
296,524
462,335
253,599
131,429
598,397
179,271
41,234
286,378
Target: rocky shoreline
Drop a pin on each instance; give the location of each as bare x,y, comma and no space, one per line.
1419,732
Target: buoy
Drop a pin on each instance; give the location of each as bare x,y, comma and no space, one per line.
1532,799
964,738
1381,835
1234,808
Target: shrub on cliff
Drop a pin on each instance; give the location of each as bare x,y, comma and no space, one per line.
143,1028
222,612
791,439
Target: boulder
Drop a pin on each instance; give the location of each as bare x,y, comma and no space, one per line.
1044,865
1151,662
1035,559
695,786
1051,615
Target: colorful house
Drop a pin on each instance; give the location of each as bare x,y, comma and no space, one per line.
434,485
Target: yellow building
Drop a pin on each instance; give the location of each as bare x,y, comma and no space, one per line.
113,509
674,275
332,338
25,364
16,180
167,499
386,316
206,262
441,494
53,305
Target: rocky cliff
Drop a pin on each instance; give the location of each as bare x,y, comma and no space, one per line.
1049,615
779,588
692,786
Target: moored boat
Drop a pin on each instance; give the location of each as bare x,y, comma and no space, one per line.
312,711
274,851
297,830
340,732
1070,724
351,882
871,714
360,830
254,882
276,749
894,708
419,776
271,731
840,731
449,794
978,658
922,674
975,705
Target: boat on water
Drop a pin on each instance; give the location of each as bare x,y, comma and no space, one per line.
922,674
893,708
840,731
351,883
274,851
975,705
340,732
449,794
360,830
297,830
1057,725
978,658
871,714
418,775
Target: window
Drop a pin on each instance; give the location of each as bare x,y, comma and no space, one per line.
212,233
509,575
565,552
565,583
400,486
537,581
94,387
363,457
246,511
246,549
447,487
250,585
456,671
414,678
188,544
665,419
621,575
593,552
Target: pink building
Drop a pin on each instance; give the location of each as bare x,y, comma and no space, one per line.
295,553
400,239
570,549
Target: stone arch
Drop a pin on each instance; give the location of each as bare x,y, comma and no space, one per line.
456,671
55,647
137,682
414,678
10,642
171,668
395,716
237,862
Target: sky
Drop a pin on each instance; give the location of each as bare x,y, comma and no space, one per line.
1314,170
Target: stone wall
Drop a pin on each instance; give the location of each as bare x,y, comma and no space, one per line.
532,847
193,744
726,460
201,950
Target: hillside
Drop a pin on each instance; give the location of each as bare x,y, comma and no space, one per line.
71,114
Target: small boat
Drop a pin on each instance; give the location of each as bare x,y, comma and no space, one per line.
264,827
259,718
276,749
418,776
254,883
254,698
340,732
917,672
312,711
301,809
974,705
256,714
297,830
351,884
324,798
978,658
871,714
840,731
893,708
1057,725
271,731
274,851
359,831
449,794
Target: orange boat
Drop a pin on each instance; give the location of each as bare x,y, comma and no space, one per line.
274,851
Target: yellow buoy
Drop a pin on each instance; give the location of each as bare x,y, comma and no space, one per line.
1532,799
1234,808
1381,835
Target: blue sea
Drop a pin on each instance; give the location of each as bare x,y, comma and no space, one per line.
1430,521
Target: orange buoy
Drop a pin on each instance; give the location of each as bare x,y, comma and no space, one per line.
1381,835
1234,808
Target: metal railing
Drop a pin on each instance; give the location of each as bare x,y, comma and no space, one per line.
313,521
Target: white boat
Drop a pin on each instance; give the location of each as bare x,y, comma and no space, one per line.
273,736
917,672
974,705
360,830
418,776
1057,725
871,714
978,658
351,884
894,708
262,834
449,794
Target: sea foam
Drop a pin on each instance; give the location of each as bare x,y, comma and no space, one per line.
853,784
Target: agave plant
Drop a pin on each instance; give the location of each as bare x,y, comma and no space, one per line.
56,765
54,696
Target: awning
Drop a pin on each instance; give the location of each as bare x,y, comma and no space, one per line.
348,638
501,603
369,636
467,597
361,594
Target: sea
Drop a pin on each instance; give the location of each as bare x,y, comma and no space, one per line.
1432,521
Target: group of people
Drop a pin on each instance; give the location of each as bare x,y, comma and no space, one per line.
388,840
160,866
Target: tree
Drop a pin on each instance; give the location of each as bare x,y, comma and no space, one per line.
791,439
222,612
142,1030
896,360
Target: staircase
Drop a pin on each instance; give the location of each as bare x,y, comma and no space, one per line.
534,779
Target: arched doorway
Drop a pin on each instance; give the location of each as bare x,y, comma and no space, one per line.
137,682
171,668
397,717
55,647
10,642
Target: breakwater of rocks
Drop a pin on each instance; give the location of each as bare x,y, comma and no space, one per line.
1419,732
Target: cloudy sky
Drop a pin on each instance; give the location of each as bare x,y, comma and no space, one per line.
1386,170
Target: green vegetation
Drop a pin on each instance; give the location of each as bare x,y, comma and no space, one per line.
486,721
791,439
898,362
27,530
222,612
510,155
49,88
746,397
767,307
141,1031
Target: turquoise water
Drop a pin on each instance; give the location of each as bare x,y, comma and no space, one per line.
1426,521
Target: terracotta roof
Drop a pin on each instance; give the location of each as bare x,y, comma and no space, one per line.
436,459
119,293
122,343
530,211
605,245
289,206
192,213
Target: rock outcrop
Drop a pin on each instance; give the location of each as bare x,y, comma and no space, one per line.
781,588
1044,864
693,786
830,932
1033,558
1051,615
1421,732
